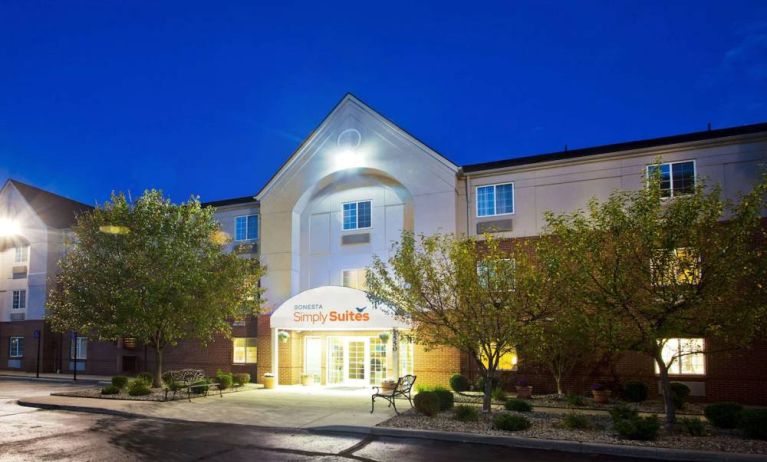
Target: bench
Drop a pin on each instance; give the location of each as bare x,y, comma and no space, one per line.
402,389
189,380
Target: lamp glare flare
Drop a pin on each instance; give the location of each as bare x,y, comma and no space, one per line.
9,227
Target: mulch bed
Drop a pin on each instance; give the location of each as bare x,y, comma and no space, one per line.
158,394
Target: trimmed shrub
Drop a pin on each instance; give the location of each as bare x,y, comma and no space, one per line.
224,380
517,405
753,423
241,378
446,398
575,400
459,383
692,426
145,377
499,394
723,415
623,412
427,403
576,421
679,394
110,390
510,422
120,381
139,388
201,387
638,428
465,413
635,391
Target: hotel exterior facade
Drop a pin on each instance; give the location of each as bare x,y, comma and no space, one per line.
344,196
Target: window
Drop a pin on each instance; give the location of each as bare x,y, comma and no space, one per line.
507,361
679,266
356,279
377,361
495,272
246,228
357,215
495,199
22,255
78,348
406,353
676,178
685,356
16,347
19,299
245,350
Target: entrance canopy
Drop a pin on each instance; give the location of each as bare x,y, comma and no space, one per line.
333,308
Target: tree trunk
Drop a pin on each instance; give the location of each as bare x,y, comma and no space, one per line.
158,367
668,401
558,380
488,393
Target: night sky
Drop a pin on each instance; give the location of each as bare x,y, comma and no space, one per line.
210,98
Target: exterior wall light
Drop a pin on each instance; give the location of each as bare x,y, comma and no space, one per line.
9,227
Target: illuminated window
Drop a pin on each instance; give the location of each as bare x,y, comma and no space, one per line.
245,350
685,356
679,266
335,360
246,228
16,347
406,352
355,279
495,199
78,349
19,299
676,178
507,362
22,255
357,215
494,272
377,361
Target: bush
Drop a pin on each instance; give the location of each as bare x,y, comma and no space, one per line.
459,383
498,394
638,428
510,422
241,378
753,423
679,394
635,391
224,380
481,383
201,387
120,381
517,405
723,415
145,377
446,398
110,390
465,413
575,400
692,426
139,388
575,421
623,412
427,403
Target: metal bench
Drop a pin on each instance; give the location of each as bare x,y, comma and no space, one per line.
402,389
188,380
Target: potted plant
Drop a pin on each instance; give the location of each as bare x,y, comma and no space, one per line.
283,336
384,337
268,381
387,385
307,380
524,389
601,393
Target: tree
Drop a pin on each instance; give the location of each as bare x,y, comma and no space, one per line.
152,270
462,293
650,268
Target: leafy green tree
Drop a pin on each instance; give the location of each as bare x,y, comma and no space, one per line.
463,293
153,270
649,268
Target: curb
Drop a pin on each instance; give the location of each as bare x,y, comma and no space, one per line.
88,409
52,379
640,452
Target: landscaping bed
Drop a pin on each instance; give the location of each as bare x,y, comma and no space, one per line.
547,425
157,394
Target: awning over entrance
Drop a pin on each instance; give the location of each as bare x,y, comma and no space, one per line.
333,308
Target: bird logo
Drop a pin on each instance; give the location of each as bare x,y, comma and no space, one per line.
360,309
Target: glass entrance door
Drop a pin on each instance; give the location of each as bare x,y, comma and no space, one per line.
356,364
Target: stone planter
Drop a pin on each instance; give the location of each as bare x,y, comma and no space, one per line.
388,385
307,380
601,396
268,382
524,392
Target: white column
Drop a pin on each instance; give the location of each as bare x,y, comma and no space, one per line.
395,353
276,356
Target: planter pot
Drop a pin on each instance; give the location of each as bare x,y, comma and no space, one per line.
388,385
601,396
268,383
524,392
307,380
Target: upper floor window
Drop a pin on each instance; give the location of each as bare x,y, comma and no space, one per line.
496,274
676,178
357,215
684,356
16,347
680,266
495,199
245,350
246,228
506,362
355,278
19,299
78,349
22,255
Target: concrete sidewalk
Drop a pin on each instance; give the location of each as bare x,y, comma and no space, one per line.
52,377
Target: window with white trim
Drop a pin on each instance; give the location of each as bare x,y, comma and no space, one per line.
355,278
495,199
16,347
676,178
246,228
357,215
245,350
78,349
21,255
685,356
19,299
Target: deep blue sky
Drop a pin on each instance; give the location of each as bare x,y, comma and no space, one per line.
210,98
